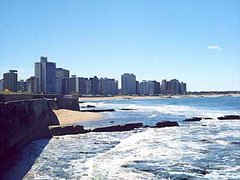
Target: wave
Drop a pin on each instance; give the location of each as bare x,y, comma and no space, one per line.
176,110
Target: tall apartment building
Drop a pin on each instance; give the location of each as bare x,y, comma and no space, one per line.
173,87
94,85
45,72
61,76
82,85
32,85
10,81
108,86
22,86
129,85
149,87
1,85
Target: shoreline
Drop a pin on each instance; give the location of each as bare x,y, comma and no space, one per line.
128,97
69,117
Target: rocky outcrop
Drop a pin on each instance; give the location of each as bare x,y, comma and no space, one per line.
230,117
98,110
163,124
66,130
125,127
193,119
127,109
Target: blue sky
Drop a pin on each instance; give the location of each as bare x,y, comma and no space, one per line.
197,42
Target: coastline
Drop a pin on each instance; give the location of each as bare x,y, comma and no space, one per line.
122,97
69,117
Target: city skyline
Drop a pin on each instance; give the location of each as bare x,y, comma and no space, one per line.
50,79
197,42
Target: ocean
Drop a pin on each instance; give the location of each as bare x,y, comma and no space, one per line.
208,149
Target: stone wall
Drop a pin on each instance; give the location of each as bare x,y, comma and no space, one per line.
24,121
68,103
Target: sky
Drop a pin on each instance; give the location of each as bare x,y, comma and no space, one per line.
197,42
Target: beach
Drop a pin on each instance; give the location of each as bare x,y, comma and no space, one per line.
67,117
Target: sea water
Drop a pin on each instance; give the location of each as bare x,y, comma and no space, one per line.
209,149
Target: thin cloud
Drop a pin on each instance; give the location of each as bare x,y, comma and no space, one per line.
214,47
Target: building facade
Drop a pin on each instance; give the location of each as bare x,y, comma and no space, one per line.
10,82
45,72
129,85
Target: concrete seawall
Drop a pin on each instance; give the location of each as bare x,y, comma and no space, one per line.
24,121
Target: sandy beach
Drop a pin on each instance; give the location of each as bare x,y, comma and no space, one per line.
67,117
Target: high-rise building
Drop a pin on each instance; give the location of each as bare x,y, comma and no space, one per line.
10,81
94,85
144,88
165,87
183,88
61,75
108,86
22,86
45,72
73,85
1,85
129,86
149,87
32,85
82,85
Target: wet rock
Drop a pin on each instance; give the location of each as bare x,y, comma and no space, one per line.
207,118
98,110
235,143
126,127
193,119
66,130
199,171
127,109
229,117
166,124
205,141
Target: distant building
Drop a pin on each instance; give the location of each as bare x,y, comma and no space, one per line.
62,73
165,87
94,85
183,88
32,85
129,86
173,87
22,86
1,85
45,72
73,84
144,88
108,86
10,81
82,85
61,76
88,87
149,87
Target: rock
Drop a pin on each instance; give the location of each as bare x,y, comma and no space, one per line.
127,109
166,124
207,118
90,106
193,119
126,127
230,117
111,121
66,130
98,110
